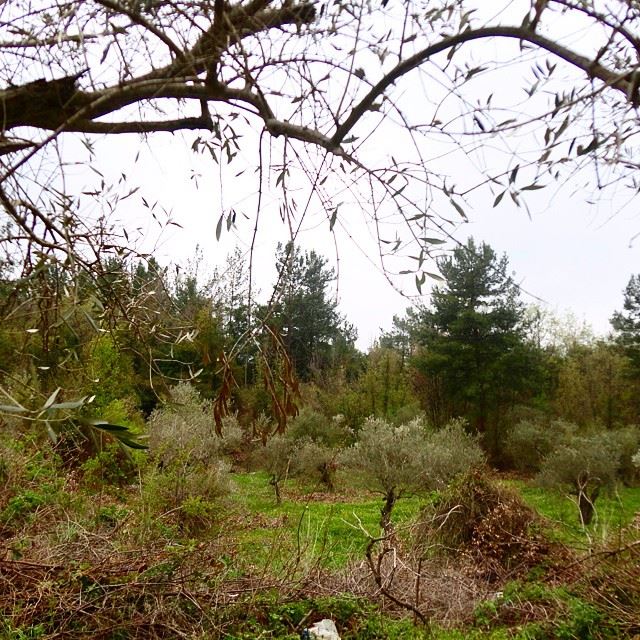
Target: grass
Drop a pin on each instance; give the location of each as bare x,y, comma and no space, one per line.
68,542
325,528
614,511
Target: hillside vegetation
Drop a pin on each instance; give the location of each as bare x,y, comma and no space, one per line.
182,465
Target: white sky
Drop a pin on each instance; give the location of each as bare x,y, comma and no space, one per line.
571,255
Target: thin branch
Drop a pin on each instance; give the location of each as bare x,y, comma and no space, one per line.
137,18
593,69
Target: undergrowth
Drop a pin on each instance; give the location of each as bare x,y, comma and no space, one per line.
86,553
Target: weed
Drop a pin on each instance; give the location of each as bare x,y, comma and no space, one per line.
22,505
111,466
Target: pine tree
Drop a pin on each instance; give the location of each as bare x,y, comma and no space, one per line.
626,323
473,338
313,331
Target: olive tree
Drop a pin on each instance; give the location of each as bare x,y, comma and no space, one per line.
400,460
584,466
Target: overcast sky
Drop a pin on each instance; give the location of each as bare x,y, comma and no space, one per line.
567,255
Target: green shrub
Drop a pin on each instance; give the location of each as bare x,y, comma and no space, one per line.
111,373
183,429
110,515
315,462
451,451
183,442
169,488
407,413
196,514
114,465
583,466
628,441
311,425
276,457
582,621
530,441
235,440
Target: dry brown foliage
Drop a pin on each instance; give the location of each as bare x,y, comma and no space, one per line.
152,592
443,590
489,522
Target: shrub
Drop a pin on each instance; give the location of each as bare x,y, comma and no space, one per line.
583,466
182,440
113,466
170,488
276,458
330,432
183,429
407,413
316,462
530,441
197,513
451,451
235,440
628,441
490,521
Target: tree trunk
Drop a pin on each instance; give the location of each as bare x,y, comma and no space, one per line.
327,470
275,483
385,514
586,504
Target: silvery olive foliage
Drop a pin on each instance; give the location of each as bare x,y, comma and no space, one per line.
183,429
412,457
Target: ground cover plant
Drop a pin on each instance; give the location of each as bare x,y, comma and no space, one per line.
162,555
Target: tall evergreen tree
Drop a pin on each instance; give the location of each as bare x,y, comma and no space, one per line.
314,333
626,324
474,351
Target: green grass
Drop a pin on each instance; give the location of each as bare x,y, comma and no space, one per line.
614,511
356,619
331,530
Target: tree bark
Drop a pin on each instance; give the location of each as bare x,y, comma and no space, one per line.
390,499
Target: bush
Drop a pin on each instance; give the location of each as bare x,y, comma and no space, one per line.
407,413
451,451
235,440
315,462
171,488
490,521
182,440
583,466
114,465
183,429
530,441
330,432
628,441
276,458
